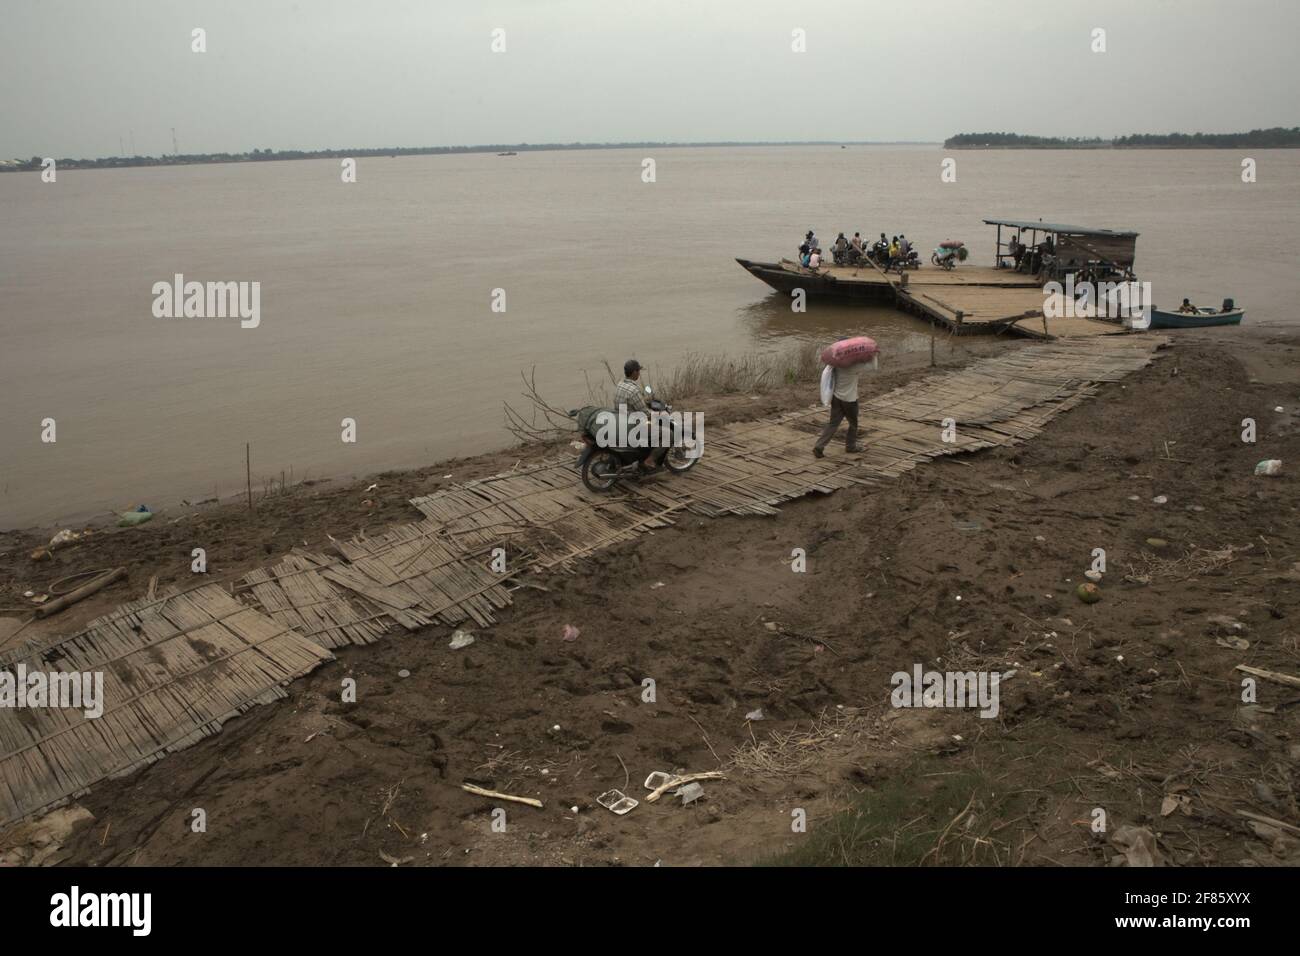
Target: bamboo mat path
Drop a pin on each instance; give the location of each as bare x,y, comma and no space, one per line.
177,666
173,672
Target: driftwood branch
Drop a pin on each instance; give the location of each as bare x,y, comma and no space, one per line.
685,778
471,788
537,420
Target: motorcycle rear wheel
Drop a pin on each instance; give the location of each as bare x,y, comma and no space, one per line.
600,471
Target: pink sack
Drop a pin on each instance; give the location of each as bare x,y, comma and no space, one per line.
848,352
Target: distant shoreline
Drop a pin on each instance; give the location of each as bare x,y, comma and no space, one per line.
284,155
1117,146
1278,137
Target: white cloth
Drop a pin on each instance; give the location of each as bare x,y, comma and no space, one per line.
827,384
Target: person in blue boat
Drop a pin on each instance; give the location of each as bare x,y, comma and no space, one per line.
1187,307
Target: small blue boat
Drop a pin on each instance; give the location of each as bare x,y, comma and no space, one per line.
1200,319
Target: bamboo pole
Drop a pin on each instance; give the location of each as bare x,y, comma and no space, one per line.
85,591
248,472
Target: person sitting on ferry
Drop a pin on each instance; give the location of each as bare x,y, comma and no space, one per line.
815,260
893,249
1016,250
804,256
856,241
1186,306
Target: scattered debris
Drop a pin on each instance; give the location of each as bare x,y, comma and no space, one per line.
1172,802
1275,676
690,793
1279,825
1272,467
129,519
107,577
1233,643
461,638
1161,499
755,714
394,861
39,842
656,778
1148,567
403,673
616,801
570,633
480,791
1093,576
1138,846
676,782
1088,593
63,539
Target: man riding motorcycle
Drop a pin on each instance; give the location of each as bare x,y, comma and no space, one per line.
593,419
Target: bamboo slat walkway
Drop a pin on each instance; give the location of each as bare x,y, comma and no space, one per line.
176,667
173,671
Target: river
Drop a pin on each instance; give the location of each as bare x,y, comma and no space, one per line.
376,297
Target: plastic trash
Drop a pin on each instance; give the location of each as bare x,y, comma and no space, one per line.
1270,466
461,639
66,536
690,793
130,519
616,801
570,633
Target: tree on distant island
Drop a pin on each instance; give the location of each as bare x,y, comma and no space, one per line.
1276,138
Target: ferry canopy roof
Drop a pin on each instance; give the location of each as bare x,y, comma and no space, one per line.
1060,228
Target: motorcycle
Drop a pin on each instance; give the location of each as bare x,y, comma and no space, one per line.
879,253
949,254
909,261
603,466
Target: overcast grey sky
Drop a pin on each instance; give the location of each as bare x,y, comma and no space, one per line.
80,75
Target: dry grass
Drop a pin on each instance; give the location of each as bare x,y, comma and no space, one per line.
538,420
785,753
699,374
1148,567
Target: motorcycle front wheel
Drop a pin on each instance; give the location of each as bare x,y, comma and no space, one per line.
600,471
